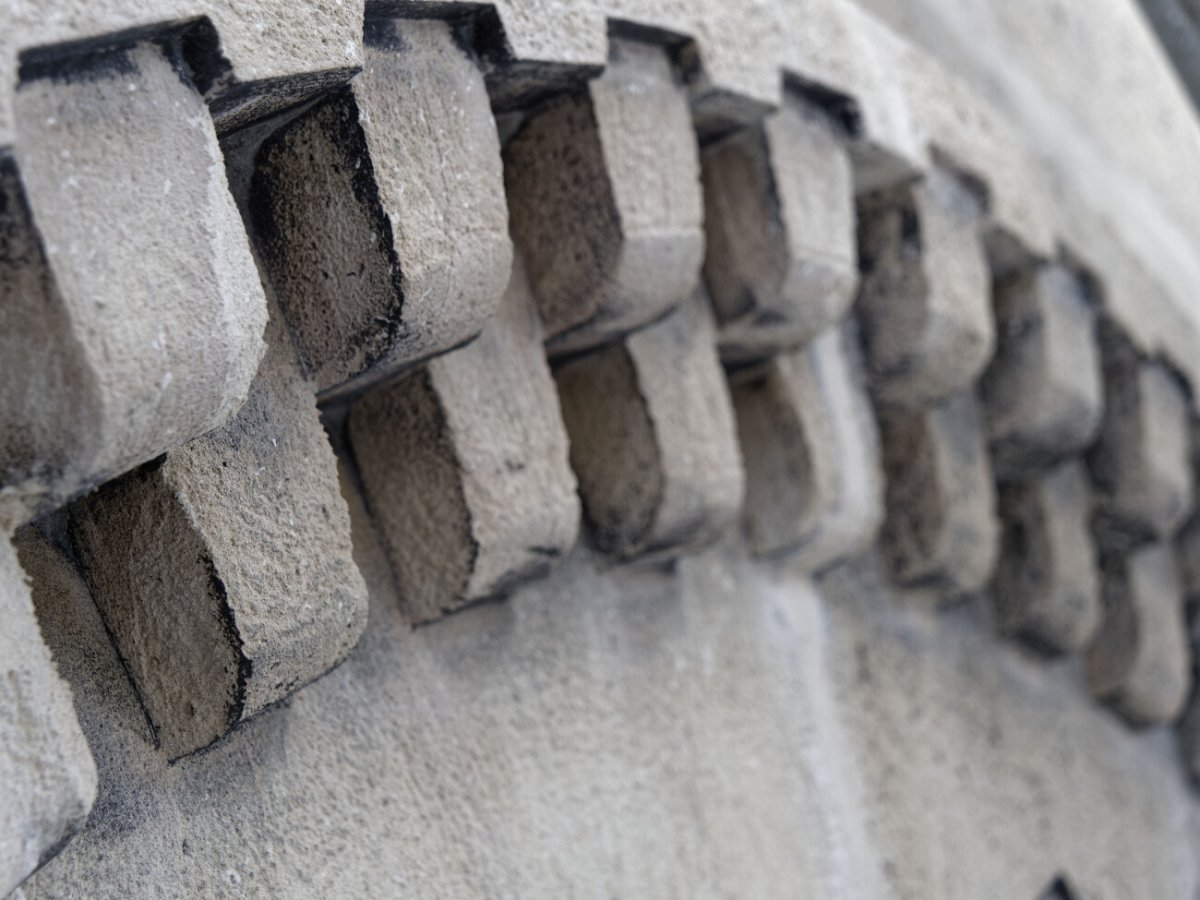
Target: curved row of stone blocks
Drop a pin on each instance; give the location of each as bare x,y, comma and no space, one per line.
526,275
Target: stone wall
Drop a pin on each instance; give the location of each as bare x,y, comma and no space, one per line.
608,449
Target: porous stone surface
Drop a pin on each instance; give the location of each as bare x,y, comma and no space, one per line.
1140,662
1043,394
464,466
1189,732
810,445
223,570
941,530
380,213
264,56
131,314
830,739
653,439
1047,585
1189,725
1141,463
607,209
925,302
781,263
48,774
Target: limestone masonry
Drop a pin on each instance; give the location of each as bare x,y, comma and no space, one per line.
606,448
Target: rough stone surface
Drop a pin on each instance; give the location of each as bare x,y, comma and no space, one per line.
653,440
1047,585
131,314
223,570
814,485
1043,394
941,530
1141,463
381,215
726,730
925,303
1140,662
607,209
47,773
1189,725
464,466
268,54
779,219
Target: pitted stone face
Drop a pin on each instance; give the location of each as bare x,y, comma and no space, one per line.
780,225
653,439
223,570
924,303
1047,586
1141,464
1044,392
941,530
604,190
380,213
131,313
1140,662
464,466
47,772
814,485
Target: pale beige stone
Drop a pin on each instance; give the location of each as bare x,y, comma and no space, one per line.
1047,586
814,484
941,530
1141,464
380,213
1043,394
604,191
131,313
1140,663
47,774
223,570
464,466
925,301
781,262
653,440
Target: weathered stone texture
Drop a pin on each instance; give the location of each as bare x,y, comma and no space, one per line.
607,210
814,485
1047,586
1141,464
1043,393
941,530
653,438
223,570
381,214
131,313
924,303
1140,662
464,466
780,225
47,777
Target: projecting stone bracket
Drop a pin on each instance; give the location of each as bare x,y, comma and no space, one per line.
814,484
131,312
605,197
941,531
1140,662
653,440
46,769
1047,586
380,212
1044,392
1141,464
464,466
924,303
223,570
779,216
